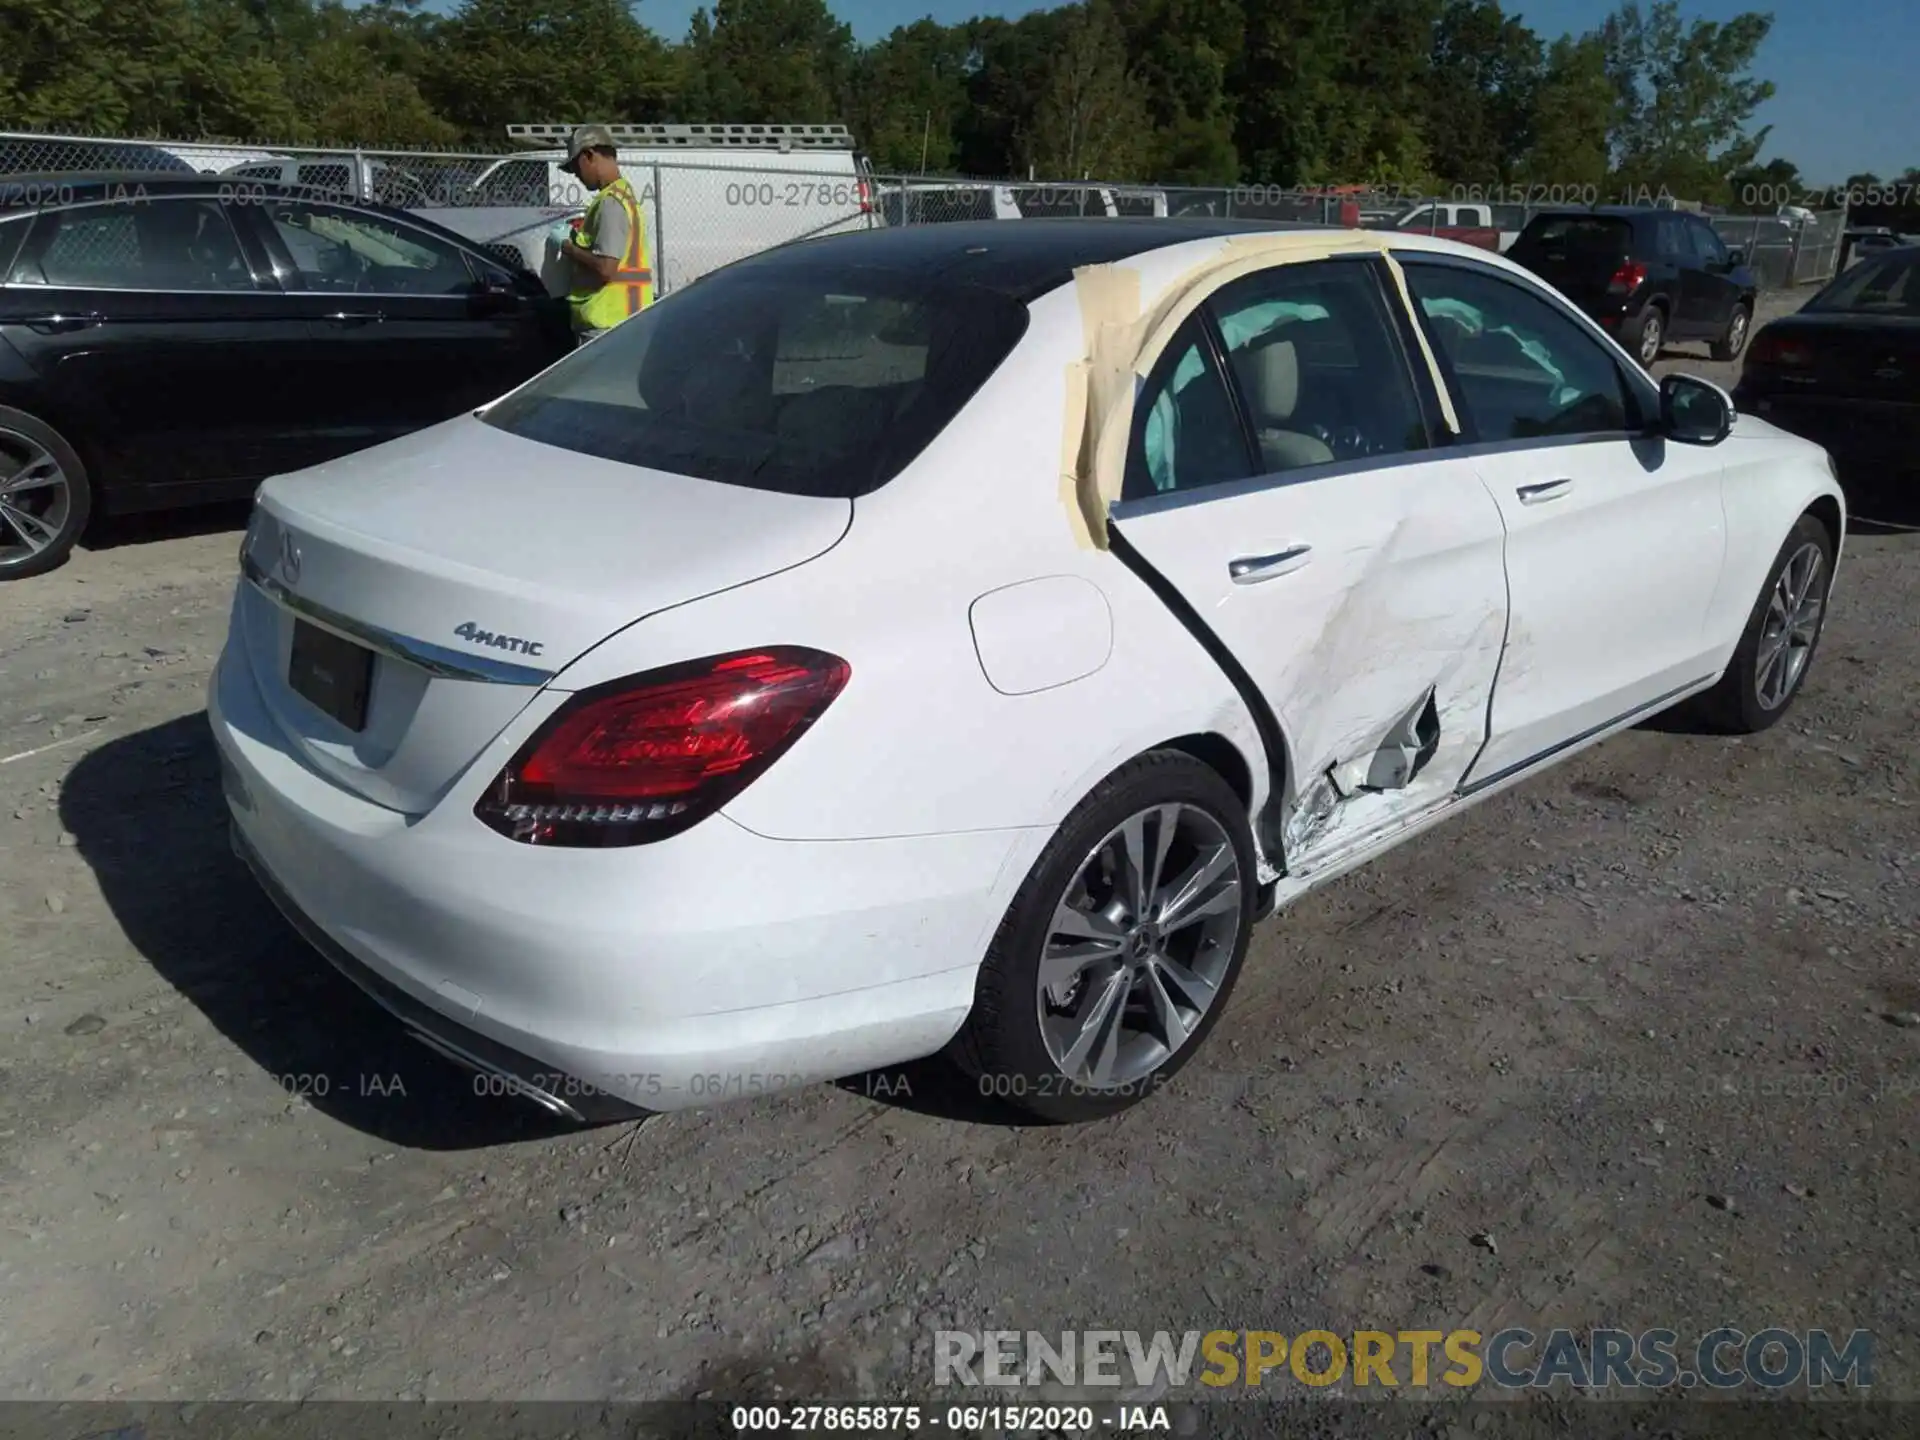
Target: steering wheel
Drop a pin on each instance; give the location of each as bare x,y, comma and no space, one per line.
1347,442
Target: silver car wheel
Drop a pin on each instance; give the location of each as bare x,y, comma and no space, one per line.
35,498
1139,946
1787,636
1737,332
1652,334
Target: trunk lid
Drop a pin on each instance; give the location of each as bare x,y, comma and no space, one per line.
1840,355
476,565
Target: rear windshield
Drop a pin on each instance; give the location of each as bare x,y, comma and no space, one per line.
826,381
1886,284
1578,234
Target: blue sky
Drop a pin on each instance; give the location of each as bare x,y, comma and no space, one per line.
1849,93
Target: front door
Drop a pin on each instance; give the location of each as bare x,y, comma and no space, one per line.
1615,537
402,336
1281,478
1719,292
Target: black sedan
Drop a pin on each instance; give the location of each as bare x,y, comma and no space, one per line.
1844,371
167,340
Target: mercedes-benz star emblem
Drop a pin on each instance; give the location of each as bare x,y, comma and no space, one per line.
289,559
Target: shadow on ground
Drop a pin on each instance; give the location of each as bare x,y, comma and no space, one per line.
150,820
109,532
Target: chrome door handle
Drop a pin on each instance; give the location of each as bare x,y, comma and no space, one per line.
1545,491
1253,569
355,317
62,324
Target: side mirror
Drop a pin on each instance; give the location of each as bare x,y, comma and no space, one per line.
1694,412
1736,258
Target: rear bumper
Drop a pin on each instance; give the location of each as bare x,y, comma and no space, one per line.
712,966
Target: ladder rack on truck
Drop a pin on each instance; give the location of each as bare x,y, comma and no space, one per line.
693,137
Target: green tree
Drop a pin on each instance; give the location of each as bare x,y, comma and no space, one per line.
909,93
1091,122
1330,91
160,67
1572,116
353,77
1685,97
498,62
1763,189
1480,99
1179,55
1007,66
767,61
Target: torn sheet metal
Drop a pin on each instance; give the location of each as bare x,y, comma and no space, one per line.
1123,335
1401,755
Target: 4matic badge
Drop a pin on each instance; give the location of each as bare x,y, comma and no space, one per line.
474,635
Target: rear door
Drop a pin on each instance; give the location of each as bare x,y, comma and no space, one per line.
402,334
1719,291
157,334
1282,480
1615,537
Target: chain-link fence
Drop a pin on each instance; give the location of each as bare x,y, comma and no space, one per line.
1786,253
709,207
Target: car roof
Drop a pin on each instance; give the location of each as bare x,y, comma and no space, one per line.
1021,259
105,179
1617,212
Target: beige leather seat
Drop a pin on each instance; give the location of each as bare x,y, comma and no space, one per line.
1272,373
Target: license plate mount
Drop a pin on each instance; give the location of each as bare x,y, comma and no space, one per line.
331,673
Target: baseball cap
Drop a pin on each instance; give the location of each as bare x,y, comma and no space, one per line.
586,137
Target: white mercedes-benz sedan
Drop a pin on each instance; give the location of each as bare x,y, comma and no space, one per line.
951,640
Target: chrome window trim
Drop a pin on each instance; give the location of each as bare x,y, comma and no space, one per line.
437,660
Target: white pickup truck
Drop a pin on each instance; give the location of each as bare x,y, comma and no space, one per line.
1444,217
928,202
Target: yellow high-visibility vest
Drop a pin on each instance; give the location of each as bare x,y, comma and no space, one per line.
631,289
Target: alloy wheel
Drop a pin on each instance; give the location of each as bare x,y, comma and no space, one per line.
1737,332
1139,946
36,498
1650,338
1791,627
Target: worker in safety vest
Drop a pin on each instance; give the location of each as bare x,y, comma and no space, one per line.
613,278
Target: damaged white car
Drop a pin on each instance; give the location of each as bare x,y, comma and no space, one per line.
955,638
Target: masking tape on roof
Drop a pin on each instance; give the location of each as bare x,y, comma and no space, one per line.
1123,340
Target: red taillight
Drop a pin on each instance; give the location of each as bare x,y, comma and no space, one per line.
1778,350
646,758
1627,279
866,198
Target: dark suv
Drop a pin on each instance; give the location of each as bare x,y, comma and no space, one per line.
1648,275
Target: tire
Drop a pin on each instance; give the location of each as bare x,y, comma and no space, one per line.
1739,326
1743,703
1039,1049
39,522
1647,334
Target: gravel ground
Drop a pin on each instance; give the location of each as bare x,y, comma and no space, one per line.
1631,1021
